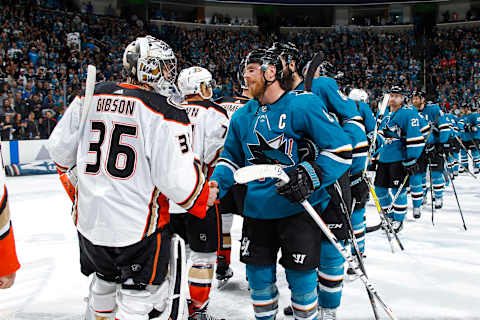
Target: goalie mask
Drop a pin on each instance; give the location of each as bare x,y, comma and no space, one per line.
151,61
196,80
358,95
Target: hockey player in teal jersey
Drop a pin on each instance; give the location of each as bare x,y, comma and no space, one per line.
418,178
331,264
472,134
404,143
435,149
267,131
453,144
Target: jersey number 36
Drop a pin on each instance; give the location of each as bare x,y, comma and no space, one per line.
121,157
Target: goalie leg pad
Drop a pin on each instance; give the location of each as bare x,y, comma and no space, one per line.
101,298
137,304
176,307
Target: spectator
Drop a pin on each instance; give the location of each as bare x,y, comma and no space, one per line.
31,129
6,129
47,124
18,132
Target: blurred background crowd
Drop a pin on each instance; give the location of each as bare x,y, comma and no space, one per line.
43,68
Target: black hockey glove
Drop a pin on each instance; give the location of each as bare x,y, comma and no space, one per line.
304,179
411,166
307,150
359,189
435,130
429,149
467,127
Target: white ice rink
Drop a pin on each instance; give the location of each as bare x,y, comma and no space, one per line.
436,277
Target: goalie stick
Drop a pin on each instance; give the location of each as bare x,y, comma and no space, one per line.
255,172
89,90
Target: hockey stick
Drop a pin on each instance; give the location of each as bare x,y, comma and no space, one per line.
384,223
381,110
255,172
316,60
431,187
89,90
353,239
455,192
463,146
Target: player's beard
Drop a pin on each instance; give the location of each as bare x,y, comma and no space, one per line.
256,88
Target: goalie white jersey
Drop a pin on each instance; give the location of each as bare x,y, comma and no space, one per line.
132,155
209,123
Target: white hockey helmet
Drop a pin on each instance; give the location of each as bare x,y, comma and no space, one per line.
358,95
191,79
150,61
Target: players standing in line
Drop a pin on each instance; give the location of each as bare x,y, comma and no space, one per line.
453,157
8,254
403,145
209,124
267,131
472,133
131,154
232,203
440,134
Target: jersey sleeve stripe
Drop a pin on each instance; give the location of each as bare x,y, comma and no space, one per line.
337,158
415,139
190,201
230,163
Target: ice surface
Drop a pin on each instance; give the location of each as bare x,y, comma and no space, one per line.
437,277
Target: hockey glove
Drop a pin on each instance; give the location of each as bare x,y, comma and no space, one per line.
467,127
307,150
304,179
411,166
429,148
359,189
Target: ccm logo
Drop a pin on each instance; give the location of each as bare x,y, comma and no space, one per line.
335,226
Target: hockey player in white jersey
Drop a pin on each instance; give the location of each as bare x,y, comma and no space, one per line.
232,202
209,125
131,154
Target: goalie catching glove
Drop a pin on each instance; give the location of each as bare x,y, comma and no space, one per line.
304,179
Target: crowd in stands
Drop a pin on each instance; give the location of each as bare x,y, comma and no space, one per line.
43,68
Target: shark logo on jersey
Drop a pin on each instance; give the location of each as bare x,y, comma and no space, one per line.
270,152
